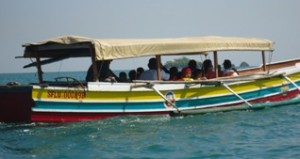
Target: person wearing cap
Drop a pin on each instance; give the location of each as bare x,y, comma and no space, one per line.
186,74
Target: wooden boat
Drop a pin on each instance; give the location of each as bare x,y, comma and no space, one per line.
73,100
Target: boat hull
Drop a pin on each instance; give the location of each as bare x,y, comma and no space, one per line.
260,103
101,100
104,100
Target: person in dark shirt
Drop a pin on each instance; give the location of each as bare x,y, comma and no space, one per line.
207,69
104,72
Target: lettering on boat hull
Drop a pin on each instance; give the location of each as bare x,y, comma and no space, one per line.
66,94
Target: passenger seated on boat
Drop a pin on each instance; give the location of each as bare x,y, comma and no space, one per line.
132,75
174,74
235,70
151,74
207,69
104,72
123,77
139,71
198,75
228,71
186,74
193,66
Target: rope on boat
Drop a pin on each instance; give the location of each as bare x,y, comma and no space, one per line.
241,98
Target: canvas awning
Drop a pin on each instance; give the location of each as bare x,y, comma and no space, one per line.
109,49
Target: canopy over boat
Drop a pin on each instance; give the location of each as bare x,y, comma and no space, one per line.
109,49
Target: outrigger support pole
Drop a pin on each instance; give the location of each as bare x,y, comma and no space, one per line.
166,99
293,83
241,98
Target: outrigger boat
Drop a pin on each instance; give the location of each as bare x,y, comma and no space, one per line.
71,100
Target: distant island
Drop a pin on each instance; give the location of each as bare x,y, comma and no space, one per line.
244,65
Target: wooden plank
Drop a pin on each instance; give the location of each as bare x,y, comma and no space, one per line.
94,65
216,63
264,61
38,65
158,64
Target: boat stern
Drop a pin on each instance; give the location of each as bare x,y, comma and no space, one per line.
15,103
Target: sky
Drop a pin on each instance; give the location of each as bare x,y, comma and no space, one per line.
36,20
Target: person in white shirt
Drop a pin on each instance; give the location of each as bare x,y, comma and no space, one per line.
228,70
151,74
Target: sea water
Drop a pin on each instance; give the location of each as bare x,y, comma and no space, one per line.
268,133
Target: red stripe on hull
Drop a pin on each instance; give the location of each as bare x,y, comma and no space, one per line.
279,97
75,117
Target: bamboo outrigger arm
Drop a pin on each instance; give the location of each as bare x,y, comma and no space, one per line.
233,92
166,99
293,83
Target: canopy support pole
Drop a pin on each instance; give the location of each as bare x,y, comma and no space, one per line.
158,64
264,60
94,65
293,83
241,98
216,63
38,65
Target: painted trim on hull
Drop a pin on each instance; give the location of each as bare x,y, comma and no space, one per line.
101,111
75,116
154,106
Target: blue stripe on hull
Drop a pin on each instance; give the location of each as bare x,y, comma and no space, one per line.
99,106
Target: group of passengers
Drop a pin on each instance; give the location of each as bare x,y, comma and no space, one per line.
132,74
189,73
